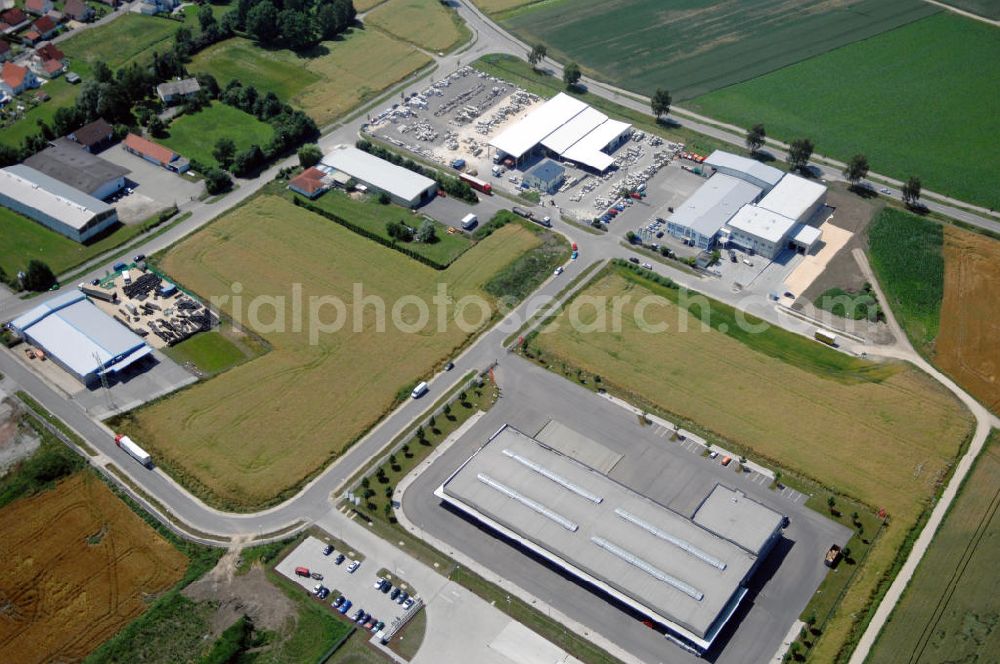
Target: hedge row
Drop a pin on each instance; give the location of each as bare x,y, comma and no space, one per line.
368,234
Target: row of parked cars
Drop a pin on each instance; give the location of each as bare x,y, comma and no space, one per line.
361,617
395,593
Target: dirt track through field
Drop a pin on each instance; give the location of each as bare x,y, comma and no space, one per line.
968,344
78,565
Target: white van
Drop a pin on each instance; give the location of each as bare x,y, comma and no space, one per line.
419,391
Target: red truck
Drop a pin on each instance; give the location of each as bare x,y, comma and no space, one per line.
476,183
302,571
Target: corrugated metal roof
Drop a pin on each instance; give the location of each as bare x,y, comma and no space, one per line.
714,203
679,570
752,167
79,334
539,123
585,122
50,196
379,173
588,150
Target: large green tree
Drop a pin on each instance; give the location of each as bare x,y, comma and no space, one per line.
38,277
537,54
799,152
262,23
660,102
856,169
755,138
911,191
571,74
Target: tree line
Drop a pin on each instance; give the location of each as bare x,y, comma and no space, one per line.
298,25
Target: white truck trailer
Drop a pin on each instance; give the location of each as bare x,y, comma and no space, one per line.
133,450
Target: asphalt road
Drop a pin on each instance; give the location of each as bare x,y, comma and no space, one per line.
313,502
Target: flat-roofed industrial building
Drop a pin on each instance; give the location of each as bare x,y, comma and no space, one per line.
80,338
688,574
402,185
69,163
706,211
567,128
54,204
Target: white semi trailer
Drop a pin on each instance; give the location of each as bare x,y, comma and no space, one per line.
133,450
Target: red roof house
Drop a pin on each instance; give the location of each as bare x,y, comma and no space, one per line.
78,10
310,183
17,78
156,153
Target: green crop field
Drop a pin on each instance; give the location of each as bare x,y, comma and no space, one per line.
906,254
949,612
884,433
988,8
22,239
373,217
916,101
426,23
229,438
695,47
325,86
194,136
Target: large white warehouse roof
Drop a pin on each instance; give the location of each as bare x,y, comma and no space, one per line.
793,197
44,193
662,563
762,223
533,129
81,336
567,126
587,150
713,204
379,173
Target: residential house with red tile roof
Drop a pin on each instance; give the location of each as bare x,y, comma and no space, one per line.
155,153
310,183
13,20
16,79
43,28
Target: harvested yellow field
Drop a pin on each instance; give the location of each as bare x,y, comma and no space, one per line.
885,434
351,75
426,23
78,565
968,342
246,436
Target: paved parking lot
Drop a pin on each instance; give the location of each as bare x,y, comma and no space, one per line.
357,587
153,188
669,472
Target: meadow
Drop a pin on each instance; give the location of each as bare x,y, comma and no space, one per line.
949,611
966,347
641,45
905,252
123,40
425,23
874,97
195,135
882,433
23,239
372,216
70,588
325,85
215,351
495,7
229,439
842,404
